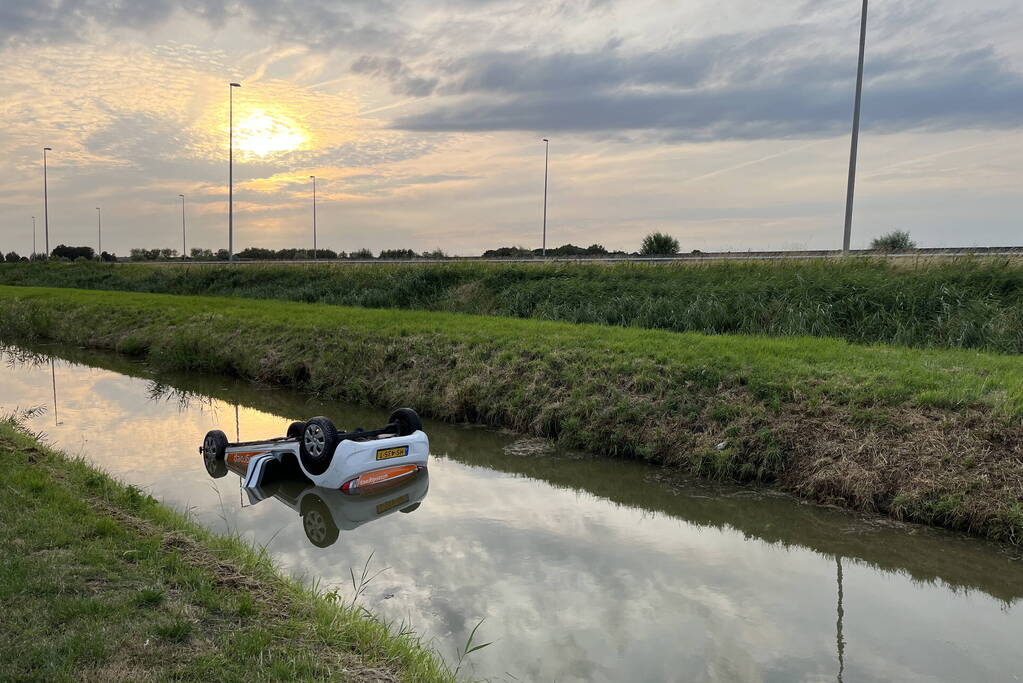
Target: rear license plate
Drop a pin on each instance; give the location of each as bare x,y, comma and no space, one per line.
391,504
388,453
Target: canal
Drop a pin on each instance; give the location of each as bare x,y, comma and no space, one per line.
580,569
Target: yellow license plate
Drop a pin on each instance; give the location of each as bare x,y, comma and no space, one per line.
391,504
388,453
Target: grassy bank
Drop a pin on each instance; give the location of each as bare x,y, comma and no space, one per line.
100,582
934,436
965,304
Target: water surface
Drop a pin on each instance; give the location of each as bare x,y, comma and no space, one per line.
583,569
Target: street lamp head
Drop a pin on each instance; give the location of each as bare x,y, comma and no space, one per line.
313,177
182,196
47,149
236,85
546,140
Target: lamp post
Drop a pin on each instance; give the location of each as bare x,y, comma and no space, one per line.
855,133
314,216
230,174
99,232
546,157
46,203
183,252
33,235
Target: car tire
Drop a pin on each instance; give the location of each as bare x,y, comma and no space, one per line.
316,448
317,522
214,444
407,421
295,430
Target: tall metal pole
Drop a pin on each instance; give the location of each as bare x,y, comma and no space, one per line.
183,252
314,216
230,175
46,202
99,232
855,133
33,235
546,157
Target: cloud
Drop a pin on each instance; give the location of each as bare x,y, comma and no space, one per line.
316,23
403,81
64,20
767,85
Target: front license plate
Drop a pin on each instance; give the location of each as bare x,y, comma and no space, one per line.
388,453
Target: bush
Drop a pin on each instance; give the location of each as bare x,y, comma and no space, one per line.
897,240
12,257
257,254
659,244
62,251
572,250
506,252
153,254
397,253
107,257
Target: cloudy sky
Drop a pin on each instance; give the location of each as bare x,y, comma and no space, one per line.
724,123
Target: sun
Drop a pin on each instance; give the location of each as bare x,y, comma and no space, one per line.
261,133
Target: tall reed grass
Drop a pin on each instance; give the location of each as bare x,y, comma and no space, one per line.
967,304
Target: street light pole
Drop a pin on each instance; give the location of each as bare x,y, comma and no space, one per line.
546,157
314,216
230,175
855,133
46,202
99,231
33,235
183,252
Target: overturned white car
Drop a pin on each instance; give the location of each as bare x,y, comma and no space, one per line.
347,461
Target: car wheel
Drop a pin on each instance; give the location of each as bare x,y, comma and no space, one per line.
406,420
317,522
213,447
319,439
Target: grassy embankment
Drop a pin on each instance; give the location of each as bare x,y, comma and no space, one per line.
100,582
972,303
934,436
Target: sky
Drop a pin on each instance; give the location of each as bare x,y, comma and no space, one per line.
725,124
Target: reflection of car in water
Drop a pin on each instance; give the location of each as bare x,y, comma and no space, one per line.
326,512
335,480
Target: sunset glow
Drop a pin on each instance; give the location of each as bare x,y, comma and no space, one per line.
262,133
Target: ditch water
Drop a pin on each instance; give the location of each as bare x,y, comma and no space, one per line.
582,569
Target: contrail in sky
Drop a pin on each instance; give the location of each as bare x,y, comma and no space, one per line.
751,163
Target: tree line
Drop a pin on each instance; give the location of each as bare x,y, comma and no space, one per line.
654,244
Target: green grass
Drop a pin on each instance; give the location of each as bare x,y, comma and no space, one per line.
971,303
860,426
100,582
